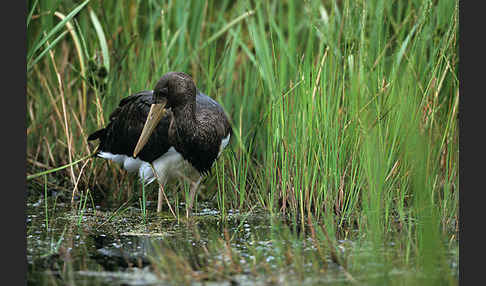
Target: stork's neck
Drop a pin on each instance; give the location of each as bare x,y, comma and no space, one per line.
184,121
185,113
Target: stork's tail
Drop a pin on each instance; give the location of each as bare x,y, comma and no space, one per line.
99,134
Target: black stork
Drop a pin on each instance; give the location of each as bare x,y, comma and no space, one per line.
174,130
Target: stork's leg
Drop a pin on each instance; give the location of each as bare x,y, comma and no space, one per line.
192,195
161,193
159,201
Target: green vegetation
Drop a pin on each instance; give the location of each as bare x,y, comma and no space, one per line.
345,116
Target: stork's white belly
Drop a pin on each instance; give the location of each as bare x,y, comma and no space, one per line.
168,166
172,165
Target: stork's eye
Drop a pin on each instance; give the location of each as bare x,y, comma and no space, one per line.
162,92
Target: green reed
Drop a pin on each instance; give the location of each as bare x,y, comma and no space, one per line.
343,112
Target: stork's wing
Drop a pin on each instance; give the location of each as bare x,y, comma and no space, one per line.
126,123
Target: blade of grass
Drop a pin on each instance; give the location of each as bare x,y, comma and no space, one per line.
51,33
102,40
45,202
47,49
218,34
30,177
79,52
29,17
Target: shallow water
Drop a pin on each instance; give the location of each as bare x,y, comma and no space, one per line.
119,247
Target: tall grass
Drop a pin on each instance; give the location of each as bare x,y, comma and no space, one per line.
344,112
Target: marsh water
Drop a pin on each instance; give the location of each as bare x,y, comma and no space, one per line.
94,245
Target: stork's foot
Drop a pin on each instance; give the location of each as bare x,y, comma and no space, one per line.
188,212
189,205
192,195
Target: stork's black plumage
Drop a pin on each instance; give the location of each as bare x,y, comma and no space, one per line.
187,140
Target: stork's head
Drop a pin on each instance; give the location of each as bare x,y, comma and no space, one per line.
176,88
173,90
